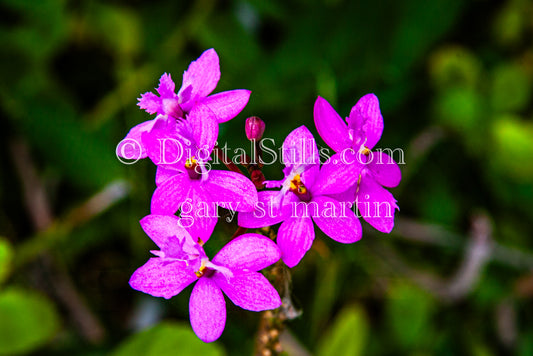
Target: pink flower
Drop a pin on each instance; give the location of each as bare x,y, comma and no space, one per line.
306,196
354,140
234,271
192,102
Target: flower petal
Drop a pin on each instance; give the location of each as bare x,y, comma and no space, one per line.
228,104
336,176
166,86
310,175
250,291
299,148
150,102
200,79
231,190
132,146
366,116
162,279
164,147
198,215
337,220
160,227
384,169
204,128
207,310
249,251
267,211
330,126
169,196
295,237
376,204
165,172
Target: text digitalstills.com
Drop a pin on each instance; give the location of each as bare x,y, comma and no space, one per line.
172,151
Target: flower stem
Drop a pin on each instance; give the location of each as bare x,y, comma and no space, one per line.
229,164
272,322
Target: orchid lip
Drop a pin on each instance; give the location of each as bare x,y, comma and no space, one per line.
191,166
204,271
172,108
298,188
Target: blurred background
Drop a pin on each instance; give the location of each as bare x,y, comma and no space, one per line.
454,79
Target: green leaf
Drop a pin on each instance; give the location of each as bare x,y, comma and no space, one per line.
513,147
42,30
118,27
167,339
460,109
408,311
511,23
454,66
347,336
420,25
84,156
511,88
326,293
27,321
6,256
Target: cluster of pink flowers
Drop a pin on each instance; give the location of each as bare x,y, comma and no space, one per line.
329,195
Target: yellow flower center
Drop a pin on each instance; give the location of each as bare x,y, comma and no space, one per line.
191,162
364,150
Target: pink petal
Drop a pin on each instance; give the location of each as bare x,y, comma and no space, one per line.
166,86
250,291
337,220
266,211
162,279
295,237
347,196
199,215
366,116
384,169
330,126
376,204
204,128
299,148
165,172
231,190
132,146
169,196
336,176
207,310
150,102
310,175
202,77
160,227
228,104
165,148
248,252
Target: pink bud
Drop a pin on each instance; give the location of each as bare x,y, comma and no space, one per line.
254,127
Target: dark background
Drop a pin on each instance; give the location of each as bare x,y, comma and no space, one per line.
454,82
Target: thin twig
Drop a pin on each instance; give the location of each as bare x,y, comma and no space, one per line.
227,162
431,234
61,284
465,278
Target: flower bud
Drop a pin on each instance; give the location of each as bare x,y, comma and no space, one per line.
258,179
254,127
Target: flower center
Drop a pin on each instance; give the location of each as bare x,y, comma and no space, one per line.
192,167
298,188
172,108
364,150
204,271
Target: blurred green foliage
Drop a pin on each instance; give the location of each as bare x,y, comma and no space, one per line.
454,79
27,321
165,339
